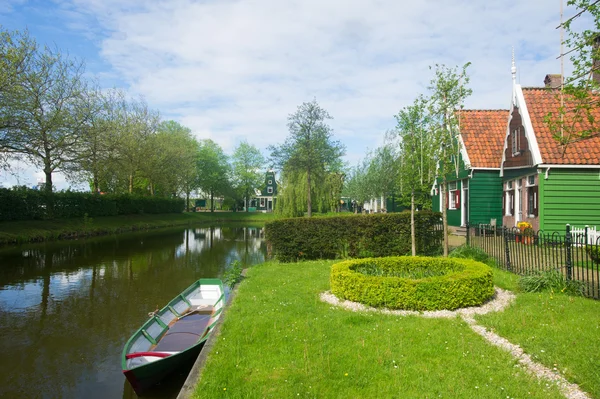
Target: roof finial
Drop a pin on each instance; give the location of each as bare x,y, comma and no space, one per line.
513,68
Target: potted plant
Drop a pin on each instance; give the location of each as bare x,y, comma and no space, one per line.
526,232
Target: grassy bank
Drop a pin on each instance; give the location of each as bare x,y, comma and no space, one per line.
279,340
42,230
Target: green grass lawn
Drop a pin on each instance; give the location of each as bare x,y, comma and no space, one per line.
41,230
279,340
559,331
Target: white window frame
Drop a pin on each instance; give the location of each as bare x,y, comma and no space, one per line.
528,183
270,181
452,188
515,142
270,190
509,185
262,202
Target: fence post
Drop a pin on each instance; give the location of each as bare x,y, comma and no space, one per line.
468,235
586,234
506,249
569,254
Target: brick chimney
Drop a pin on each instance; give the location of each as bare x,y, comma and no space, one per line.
553,80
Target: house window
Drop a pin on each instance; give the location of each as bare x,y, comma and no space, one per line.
530,180
270,190
516,147
532,201
453,196
262,202
270,181
508,205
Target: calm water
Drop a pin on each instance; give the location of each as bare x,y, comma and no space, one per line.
67,308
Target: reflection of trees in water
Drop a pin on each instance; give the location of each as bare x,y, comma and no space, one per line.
69,343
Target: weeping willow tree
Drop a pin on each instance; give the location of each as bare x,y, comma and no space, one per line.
309,154
326,191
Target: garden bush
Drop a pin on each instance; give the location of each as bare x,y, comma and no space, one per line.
355,236
413,283
21,203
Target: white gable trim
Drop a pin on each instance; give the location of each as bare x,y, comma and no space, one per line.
463,152
519,102
529,133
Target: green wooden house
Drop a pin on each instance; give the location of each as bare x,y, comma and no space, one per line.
545,183
474,195
265,198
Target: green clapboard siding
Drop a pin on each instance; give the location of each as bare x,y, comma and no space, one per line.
570,196
485,192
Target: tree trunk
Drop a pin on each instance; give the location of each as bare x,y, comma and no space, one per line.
48,173
187,201
412,224
130,183
308,199
444,216
212,201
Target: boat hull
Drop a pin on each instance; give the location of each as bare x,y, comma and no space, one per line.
173,336
145,377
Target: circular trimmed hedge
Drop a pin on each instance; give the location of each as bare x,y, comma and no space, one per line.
413,283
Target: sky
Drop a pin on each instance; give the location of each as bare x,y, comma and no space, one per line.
234,70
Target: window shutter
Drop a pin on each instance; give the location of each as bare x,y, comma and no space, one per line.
457,200
535,201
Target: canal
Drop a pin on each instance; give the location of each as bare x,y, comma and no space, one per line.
67,308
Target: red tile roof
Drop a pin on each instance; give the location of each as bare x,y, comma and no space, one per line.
541,101
483,132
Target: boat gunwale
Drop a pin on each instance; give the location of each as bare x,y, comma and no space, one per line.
187,291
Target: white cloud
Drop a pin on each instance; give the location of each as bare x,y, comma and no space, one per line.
233,70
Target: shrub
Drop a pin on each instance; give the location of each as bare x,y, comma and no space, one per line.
21,203
402,283
353,236
550,280
468,252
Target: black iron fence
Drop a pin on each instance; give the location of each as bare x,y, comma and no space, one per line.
575,254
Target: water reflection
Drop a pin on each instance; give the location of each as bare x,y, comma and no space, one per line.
67,308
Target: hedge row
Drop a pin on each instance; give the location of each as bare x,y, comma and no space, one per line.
26,204
460,283
356,236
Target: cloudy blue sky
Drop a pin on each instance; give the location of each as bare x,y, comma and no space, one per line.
234,70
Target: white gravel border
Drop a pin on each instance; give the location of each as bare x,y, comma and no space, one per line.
500,301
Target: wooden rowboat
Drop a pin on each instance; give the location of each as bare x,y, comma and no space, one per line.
173,334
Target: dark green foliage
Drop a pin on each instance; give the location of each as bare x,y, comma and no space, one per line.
550,280
24,204
233,275
355,236
454,283
593,252
468,252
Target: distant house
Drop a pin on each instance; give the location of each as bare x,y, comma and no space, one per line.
265,198
474,195
545,183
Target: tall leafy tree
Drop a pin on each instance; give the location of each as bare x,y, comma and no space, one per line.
576,116
172,165
248,165
213,170
47,122
135,143
448,91
415,147
309,150
103,119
